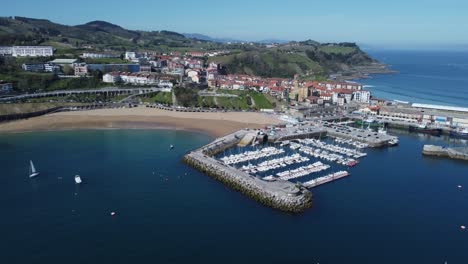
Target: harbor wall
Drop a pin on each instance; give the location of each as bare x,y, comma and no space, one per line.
452,153
281,195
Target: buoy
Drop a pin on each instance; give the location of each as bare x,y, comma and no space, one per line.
463,227
112,213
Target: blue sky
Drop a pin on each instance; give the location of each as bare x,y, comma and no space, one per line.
396,23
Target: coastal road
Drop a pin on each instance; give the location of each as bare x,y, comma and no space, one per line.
108,90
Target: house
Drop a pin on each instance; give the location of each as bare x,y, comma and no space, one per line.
196,54
33,67
48,67
361,96
145,68
326,96
81,70
130,55
312,99
111,77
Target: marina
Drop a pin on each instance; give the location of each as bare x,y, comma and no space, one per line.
277,165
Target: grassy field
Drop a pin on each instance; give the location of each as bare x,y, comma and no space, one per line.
261,102
268,63
106,61
160,97
7,109
337,49
244,100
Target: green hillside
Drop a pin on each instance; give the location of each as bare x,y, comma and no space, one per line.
304,58
307,58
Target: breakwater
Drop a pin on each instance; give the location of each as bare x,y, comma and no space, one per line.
452,153
278,194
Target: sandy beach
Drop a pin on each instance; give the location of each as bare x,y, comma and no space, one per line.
215,124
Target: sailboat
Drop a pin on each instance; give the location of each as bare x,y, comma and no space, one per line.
32,170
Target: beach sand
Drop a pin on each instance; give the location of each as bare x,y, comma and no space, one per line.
215,124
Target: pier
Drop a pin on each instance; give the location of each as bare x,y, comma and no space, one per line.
326,179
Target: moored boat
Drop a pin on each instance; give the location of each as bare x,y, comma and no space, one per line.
459,133
422,128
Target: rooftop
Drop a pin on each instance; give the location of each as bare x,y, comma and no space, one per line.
64,61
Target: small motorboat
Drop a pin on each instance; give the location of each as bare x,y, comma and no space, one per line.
78,179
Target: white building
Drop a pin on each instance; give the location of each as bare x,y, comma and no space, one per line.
32,51
98,55
361,96
33,67
49,67
5,51
130,55
111,77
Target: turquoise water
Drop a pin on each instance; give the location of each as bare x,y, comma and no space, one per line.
434,77
396,207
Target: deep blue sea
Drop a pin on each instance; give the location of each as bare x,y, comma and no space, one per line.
396,207
434,77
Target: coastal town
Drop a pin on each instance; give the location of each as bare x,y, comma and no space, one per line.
295,97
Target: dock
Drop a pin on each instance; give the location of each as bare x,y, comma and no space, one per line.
326,179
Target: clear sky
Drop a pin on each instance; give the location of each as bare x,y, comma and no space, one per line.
374,22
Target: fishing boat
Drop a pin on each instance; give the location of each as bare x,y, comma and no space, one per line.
78,179
422,128
32,170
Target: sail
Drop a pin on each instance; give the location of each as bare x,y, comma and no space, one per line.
33,170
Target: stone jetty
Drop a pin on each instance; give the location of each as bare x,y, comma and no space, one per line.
279,194
460,153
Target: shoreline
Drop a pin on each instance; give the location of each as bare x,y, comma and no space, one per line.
213,124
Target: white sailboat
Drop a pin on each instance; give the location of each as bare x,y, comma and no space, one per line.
32,170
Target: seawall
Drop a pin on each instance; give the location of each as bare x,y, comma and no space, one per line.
452,153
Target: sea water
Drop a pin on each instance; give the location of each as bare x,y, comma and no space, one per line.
432,77
396,207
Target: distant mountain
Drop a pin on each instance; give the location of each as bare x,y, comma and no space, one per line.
99,34
231,40
102,26
208,38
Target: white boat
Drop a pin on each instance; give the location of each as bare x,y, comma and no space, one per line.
171,147
393,142
78,179
32,170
